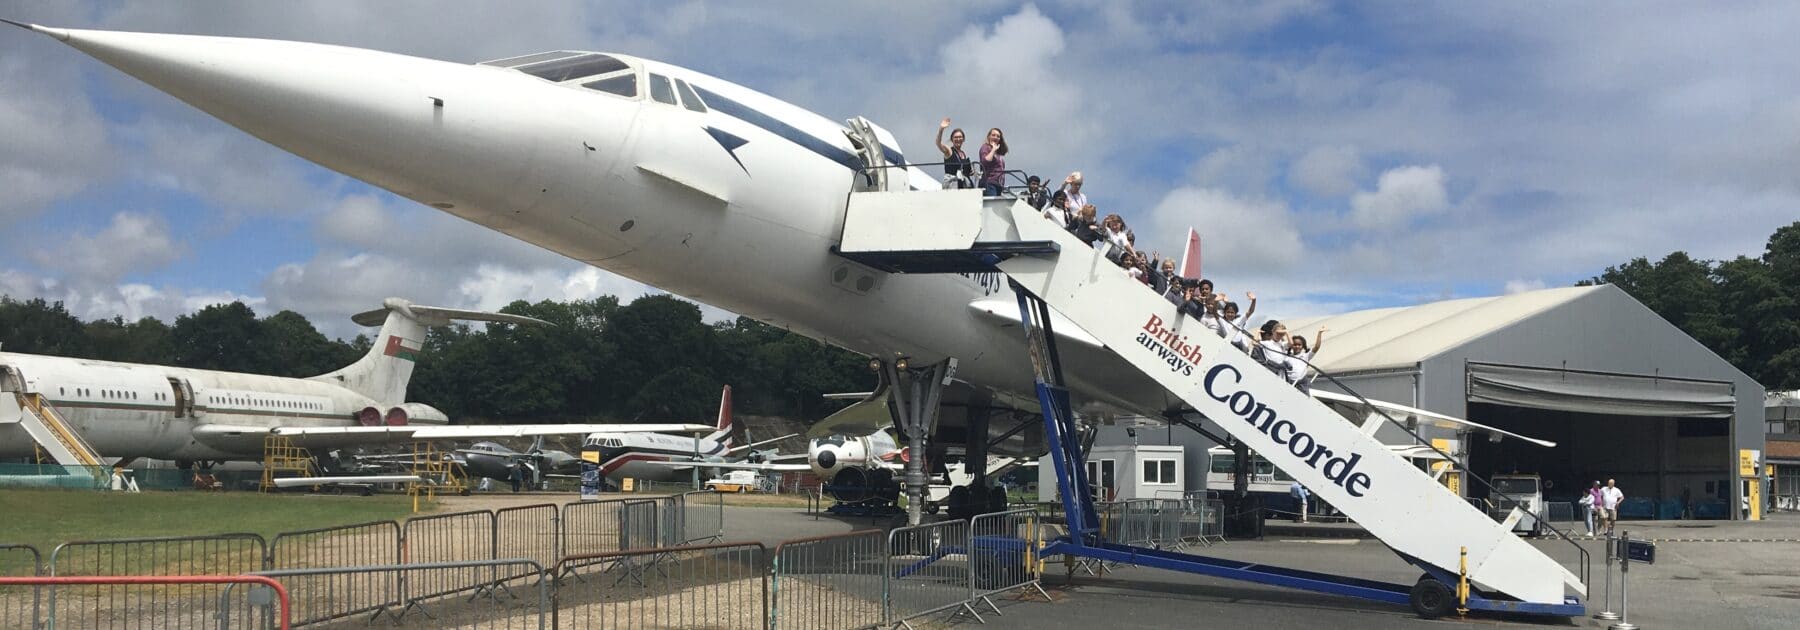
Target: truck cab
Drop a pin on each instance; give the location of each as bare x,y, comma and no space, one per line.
1527,494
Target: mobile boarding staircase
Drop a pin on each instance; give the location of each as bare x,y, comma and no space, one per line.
40,420
958,231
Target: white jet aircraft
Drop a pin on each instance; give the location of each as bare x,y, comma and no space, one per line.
131,410
680,180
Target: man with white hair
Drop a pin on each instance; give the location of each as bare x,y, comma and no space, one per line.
1610,498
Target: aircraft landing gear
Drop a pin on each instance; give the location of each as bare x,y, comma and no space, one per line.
916,393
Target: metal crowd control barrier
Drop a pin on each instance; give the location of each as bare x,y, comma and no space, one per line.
319,597
528,531
723,585
928,571
1563,513
223,554
638,527
1135,526
1003,550
21,606
829,582
155,601
523,605
1212,522
21,560
702,517
1166,523
445,541
591,527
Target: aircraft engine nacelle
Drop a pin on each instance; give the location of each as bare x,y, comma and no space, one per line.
830,455
415,413
856,485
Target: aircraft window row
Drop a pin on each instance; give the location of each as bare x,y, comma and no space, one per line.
623,85
572,68
108,394
283,404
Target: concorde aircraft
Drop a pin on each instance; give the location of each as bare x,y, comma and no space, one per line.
677,179
130,410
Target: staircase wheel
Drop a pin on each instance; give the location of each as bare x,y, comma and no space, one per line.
1432,599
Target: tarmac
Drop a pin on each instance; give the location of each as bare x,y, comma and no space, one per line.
1709,574
1749,583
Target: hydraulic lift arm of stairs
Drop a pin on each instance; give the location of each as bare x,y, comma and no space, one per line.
1413,514
45,424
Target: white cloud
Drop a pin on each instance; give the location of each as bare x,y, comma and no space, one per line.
1327,171
1401,195
1237,167
131,243
1009,75
1237,235
130,301
55,142
1521,286
492,287
229,168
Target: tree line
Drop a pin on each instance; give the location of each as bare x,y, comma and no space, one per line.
1745,309
656,359
652,359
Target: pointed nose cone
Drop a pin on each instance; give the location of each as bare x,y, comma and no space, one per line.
355,111
53,32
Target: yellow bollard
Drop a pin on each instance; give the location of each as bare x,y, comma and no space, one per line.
1462,584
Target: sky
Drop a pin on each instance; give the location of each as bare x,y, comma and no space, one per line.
1332,156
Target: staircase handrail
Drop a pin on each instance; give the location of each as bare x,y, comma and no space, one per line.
71,439
1458,466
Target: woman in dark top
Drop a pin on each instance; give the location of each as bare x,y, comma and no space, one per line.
959,172
993,163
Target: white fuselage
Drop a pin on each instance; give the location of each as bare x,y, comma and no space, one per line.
629,454
137,410
735,202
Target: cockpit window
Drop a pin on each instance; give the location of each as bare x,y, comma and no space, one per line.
689,99
521,60
660,90
560,70
622,85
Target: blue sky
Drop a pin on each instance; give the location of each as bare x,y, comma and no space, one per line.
1333,156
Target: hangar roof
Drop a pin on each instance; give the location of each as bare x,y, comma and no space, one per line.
1402,337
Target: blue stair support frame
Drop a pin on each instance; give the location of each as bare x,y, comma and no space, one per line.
1084,537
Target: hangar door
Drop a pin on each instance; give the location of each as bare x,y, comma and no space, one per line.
1667,440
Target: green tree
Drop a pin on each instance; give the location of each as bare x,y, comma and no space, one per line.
683,394
146,340
1681,290
653,336
286,344
38,327
1781,368
219,337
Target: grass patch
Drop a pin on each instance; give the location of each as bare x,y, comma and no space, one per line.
46,518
